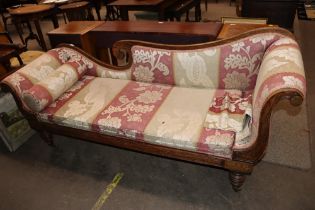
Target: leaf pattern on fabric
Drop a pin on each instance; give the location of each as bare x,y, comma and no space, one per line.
151,65
281,69
195,68
133,108
241,61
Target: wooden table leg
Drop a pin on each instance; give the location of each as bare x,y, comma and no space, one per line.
31,34
161,15
54,19
40,35
97,9
198,11
18,29
124,13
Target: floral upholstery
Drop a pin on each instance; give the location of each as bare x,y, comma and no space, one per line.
56,83
230,110
281,70
196,100
159,114
93,69
37,70
230,66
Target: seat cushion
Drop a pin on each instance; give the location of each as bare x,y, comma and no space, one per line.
154,113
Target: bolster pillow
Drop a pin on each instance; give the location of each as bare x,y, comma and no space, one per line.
43,93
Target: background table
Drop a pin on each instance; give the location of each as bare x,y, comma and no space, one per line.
75,32
142,5
97,38
34,13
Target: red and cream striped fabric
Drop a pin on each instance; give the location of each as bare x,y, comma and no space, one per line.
159,114
56,83
166,95
230,66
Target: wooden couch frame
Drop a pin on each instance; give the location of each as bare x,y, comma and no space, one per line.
242,161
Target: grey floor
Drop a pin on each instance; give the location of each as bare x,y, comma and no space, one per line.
75,174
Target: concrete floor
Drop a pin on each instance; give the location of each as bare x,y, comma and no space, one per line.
75,174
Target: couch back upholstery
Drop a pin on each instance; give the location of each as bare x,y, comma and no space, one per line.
233,65
225,65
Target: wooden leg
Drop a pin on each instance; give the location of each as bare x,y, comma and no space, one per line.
237,179
47,137
19,30
187,16
97,10
40,35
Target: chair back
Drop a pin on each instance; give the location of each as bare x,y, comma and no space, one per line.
3,37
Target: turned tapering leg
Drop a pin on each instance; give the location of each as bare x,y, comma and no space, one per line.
237,179
47,137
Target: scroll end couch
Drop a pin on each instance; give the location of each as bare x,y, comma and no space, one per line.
206,103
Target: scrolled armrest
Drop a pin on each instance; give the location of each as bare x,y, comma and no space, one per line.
281,75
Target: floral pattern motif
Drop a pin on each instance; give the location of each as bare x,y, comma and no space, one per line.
49,112
279,71
51,87
230,110
132,108
72,57
151,65
266,64
218,142
34,72
241,62
193,70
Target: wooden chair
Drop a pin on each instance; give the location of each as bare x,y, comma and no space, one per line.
77,11
112,13
13,55
3,11
9,50
176,10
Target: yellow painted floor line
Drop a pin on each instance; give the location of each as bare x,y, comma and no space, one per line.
109,189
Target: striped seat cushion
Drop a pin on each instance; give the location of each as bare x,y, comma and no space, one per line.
154,113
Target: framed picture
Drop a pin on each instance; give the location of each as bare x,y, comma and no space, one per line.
14,129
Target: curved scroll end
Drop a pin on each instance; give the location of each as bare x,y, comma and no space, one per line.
21,106
296,100
256,151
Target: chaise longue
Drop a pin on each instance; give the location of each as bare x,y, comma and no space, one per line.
206,103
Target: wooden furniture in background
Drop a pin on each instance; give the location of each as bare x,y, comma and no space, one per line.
97,4
4,4
75,32
97,38
278,12
33,13
232,29
181,7
310,10
159,6
77,11
8,50
151,31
